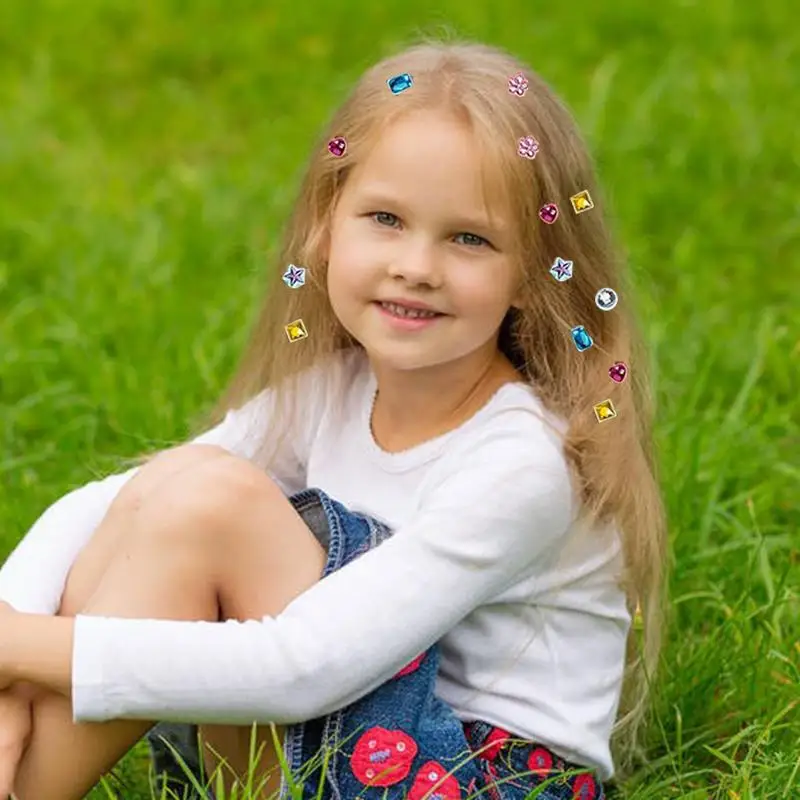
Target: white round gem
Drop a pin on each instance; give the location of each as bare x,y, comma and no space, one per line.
606,299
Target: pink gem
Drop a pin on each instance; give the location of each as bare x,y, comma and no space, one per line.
528,147
518,85
337,146
548,213
618,371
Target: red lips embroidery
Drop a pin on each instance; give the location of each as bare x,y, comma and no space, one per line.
496,739
432,774
412,666
382,757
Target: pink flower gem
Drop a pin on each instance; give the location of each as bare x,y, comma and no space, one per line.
528,147
518,84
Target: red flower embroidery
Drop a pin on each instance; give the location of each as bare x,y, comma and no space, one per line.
412,666
382,757
584,788
431,775
540,762
497,738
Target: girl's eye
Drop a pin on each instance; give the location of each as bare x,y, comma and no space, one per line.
384,218
472,240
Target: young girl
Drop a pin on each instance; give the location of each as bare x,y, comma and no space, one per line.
430,448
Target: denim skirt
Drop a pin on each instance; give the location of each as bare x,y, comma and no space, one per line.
400,742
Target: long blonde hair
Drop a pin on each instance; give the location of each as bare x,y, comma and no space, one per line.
612,463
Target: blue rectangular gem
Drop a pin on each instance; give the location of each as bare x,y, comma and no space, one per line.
581,338
400,83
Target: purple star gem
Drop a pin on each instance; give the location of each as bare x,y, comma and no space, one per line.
294,276
561,270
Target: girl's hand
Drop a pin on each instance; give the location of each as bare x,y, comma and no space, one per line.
16,722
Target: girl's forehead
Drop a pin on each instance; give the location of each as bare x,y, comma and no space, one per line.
448,149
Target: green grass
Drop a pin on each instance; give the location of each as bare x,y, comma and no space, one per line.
149,152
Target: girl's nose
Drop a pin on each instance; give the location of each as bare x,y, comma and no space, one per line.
418,265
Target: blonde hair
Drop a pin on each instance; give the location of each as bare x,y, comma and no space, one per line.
612,464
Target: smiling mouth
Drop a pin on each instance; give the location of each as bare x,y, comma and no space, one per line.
409,313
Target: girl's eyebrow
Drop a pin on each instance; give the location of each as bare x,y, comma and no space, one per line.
377,198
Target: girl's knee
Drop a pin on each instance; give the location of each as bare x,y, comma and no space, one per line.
204,501
165,466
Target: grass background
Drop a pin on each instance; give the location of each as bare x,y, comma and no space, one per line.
149,153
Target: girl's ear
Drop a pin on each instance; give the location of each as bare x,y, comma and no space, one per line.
518,300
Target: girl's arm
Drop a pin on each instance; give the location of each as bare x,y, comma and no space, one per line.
498,517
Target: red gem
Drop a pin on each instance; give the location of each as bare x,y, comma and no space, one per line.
382,757
431,774
540,762
412,666
584,788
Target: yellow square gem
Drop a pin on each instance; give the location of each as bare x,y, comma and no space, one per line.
604,411
296,330
581,201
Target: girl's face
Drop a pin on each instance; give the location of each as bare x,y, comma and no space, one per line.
412,228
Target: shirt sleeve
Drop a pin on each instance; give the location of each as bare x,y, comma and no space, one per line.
494,512
33,577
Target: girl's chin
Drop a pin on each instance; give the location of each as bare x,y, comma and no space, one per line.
385,358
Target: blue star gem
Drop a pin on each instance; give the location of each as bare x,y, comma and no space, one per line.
561,270
294,276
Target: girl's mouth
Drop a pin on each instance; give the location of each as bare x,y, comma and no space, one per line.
407,319
409,313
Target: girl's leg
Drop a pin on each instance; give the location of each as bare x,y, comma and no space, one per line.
91,564
235,547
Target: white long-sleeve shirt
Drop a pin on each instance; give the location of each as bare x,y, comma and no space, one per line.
486,556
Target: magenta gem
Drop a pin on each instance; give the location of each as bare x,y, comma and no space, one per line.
548,213
618,371
337,146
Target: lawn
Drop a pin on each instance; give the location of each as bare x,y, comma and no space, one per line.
149,154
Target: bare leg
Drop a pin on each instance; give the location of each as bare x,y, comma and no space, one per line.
165,545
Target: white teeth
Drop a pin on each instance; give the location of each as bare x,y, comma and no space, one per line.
411,313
